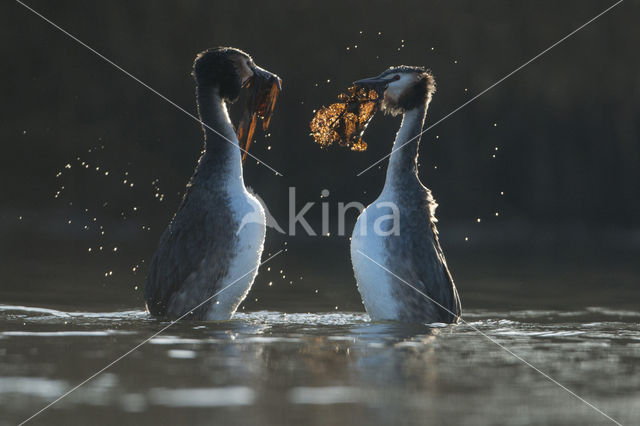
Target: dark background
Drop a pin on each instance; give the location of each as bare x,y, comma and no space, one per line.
566,130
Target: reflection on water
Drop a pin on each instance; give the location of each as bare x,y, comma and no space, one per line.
334,368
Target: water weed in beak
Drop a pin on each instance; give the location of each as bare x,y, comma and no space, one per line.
345,121
264,88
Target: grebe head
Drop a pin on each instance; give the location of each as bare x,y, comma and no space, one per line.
228,69
403,88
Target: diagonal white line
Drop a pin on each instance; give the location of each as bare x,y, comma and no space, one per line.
94,375
518,357
494,85
145,85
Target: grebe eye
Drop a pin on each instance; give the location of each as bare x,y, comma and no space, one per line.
396,77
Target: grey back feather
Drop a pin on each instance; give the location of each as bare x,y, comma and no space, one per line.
192,256
420,260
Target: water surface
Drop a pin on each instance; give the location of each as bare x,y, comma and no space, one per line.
320,368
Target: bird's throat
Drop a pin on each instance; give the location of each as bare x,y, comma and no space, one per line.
221,156
403,164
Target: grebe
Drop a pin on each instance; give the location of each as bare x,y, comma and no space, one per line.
398,229
205,249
